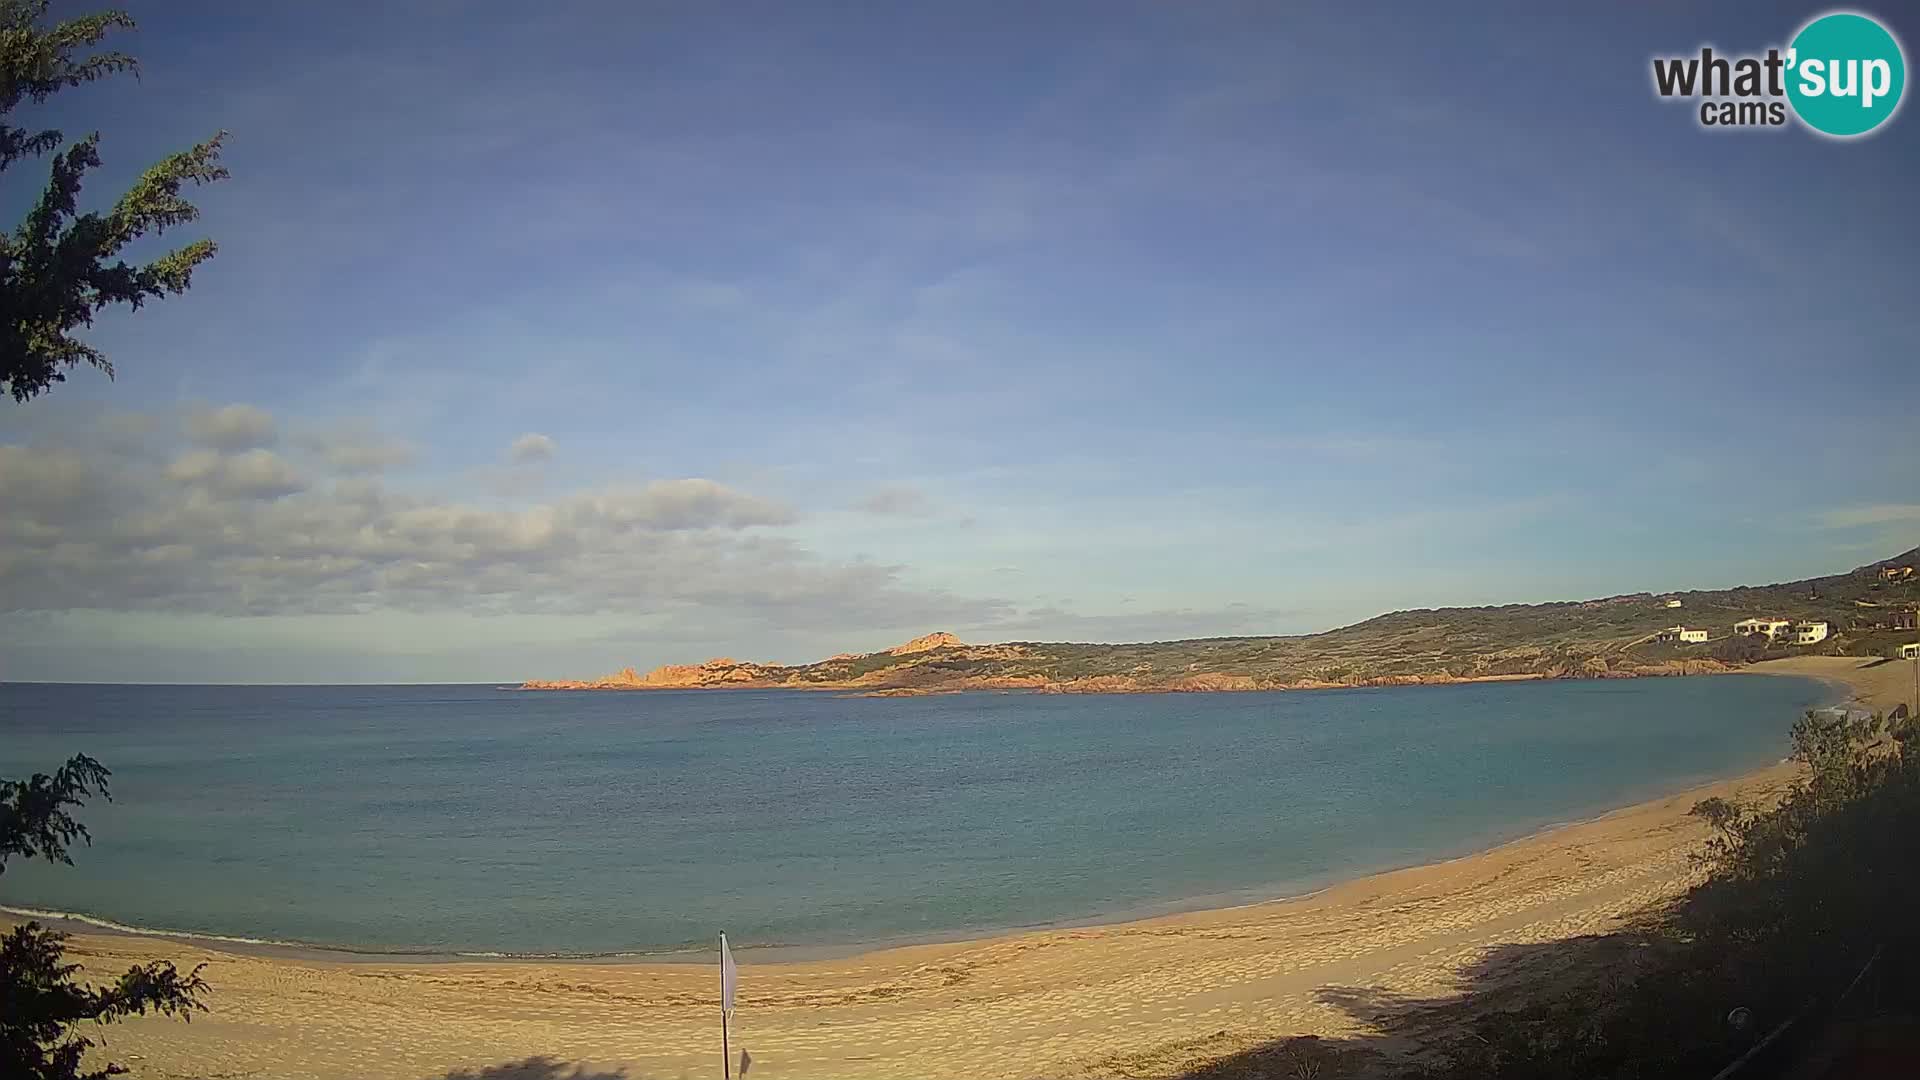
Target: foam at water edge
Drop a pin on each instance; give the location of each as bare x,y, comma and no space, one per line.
307,946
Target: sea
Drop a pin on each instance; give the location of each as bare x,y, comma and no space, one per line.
486,821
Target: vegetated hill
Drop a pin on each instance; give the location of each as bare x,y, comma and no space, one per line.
1611,637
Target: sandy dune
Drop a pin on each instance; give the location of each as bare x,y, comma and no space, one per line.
1055,1003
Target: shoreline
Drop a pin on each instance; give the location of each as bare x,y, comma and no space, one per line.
82,922
73,922
1145,996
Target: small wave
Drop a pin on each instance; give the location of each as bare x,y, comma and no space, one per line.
308,946
149,931
555,955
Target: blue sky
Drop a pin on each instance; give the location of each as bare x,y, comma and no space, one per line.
836,325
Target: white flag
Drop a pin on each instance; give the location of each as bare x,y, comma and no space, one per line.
729,976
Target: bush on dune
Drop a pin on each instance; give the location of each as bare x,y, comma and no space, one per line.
1796,899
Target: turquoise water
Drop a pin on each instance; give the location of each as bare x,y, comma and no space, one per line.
467,819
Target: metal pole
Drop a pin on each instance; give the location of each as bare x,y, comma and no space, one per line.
726,1054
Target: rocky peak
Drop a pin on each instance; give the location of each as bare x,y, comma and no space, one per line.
927,643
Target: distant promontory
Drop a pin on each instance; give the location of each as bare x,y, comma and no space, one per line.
1866,611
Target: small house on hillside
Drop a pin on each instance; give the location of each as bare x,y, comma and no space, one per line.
1673,601
1810,633
1904,620
1772,628
1682,635
1908,651
1896,573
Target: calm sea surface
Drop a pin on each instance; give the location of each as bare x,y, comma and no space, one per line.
465,818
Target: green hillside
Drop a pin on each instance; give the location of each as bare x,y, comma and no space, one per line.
1594,637
1615,636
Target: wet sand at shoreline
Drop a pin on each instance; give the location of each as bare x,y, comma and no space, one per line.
1063,1002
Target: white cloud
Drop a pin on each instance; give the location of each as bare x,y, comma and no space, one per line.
679,504
530,448
223,534
194,466
357,450
231,427
255,474
896,502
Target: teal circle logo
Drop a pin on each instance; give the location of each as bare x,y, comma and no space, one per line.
1845,74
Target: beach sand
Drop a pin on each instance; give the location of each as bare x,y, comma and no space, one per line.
1136,999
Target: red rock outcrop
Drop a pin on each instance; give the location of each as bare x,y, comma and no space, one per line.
927,643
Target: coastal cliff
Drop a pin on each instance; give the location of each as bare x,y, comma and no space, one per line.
1611,637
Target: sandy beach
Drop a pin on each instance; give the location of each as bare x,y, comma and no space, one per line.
1137,999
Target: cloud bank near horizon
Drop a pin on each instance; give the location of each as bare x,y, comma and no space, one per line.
214,517
211,513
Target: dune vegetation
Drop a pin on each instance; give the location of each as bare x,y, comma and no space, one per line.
1794,955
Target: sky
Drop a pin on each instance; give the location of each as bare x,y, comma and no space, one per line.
549,339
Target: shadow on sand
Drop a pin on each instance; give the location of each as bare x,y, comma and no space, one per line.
1599,1006
1594,1006
539,1067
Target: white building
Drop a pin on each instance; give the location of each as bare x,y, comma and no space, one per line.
1773,628
1909,651
1682,635
1809,633
1675,602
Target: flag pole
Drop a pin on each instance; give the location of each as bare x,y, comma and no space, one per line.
726,1053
